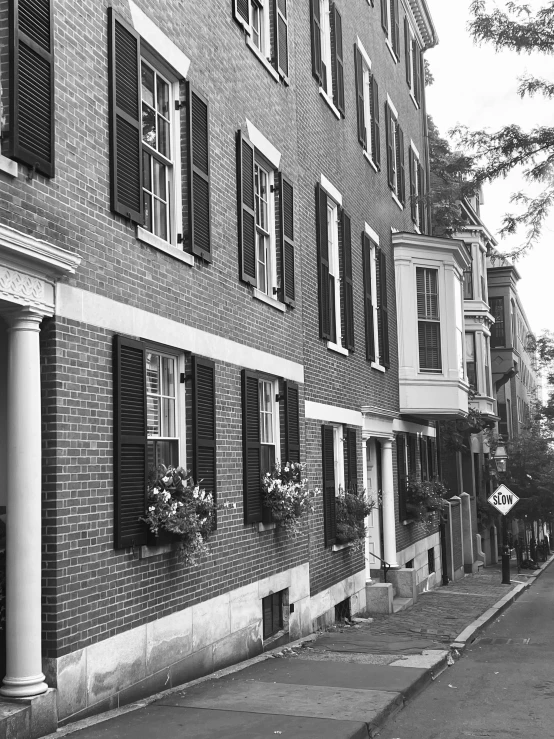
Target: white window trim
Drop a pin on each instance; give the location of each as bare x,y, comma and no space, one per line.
388,44
395,134
8,166
334,270
337,348
370,160
275,413
261,58
162,245
263,145
338,451
416,181
364,53
368,121
373,256
157,39
372,234
329,102
326,56
273,302
331,190
272,240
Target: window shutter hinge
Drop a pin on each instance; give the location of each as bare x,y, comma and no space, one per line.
272,188
179,104
184,377
179,238
279,397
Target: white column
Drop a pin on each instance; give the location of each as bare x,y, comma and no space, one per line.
389,519
24,676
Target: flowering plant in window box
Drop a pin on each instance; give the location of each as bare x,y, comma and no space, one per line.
424,499
286,495
178,506
351,509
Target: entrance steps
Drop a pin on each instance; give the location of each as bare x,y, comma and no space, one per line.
396,595
28,718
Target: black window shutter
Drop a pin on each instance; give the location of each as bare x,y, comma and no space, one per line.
347,280
407,49
247,216
391,158
131,459
360,110
31,54
412,169
337,58
421,196
385,15
402,476
328,468
199,175
281,41
204,424
315,19
375,126
292,422
396,30
368,302
352,456
418,71
125,119
323,264
384,310
286,201
424,458
401,166
241,12
251,447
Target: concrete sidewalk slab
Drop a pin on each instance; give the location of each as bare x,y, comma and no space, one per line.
337,704
336,675
366,641
176,722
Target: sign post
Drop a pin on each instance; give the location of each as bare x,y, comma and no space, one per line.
504,500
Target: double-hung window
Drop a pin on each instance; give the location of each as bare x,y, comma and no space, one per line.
146,115
265,401
266,25
395,154
150,424
414,63
471,365
417,189
428,320
336,298
375,301
327,52
367,102
339,467
498,331
486,364
390,20
266,221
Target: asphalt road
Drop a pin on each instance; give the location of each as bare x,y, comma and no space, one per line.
497,690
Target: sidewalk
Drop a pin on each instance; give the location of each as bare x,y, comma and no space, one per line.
341,684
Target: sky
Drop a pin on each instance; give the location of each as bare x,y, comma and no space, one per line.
477,87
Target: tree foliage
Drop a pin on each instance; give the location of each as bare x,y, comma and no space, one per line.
516,27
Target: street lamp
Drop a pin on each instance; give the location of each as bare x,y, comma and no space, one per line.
500,458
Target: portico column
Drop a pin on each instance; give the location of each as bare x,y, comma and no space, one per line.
24,676
389,521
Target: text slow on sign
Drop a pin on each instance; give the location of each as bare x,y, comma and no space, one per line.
503,499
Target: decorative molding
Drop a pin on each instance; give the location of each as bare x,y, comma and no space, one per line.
19,285
39,256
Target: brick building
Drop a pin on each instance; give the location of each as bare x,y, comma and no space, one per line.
213,253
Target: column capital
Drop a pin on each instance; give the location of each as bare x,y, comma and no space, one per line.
23,319
387,443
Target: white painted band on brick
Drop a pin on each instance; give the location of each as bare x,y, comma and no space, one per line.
332,414
87,307
372,234
157,39
406,427
264,146
331,190
363,52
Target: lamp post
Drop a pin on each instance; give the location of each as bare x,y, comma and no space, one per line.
500,459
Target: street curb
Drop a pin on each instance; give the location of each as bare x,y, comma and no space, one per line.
474,628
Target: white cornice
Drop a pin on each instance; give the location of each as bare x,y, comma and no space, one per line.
40,256
435,247
424,22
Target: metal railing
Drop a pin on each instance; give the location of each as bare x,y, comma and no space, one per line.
386,565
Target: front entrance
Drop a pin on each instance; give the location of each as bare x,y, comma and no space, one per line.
374,484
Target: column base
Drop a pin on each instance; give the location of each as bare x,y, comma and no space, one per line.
23,687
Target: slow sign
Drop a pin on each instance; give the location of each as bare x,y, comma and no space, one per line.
503,499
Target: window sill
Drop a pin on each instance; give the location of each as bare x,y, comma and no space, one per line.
329,102
8,166
414,101
266,527
148,238
259,295
370,160
396,200
153,551
416,229
340,547
392,53
337,348
378,367
262,59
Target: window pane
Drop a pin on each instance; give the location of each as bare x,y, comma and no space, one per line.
262,271
163,452
153,416
168,376
160,180
163,136
168,417
148,126
147,211
160,219
153,372
146,171
147,75
162,89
